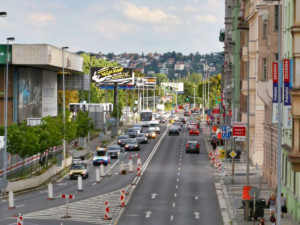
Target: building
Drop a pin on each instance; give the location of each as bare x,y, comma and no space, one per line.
179,66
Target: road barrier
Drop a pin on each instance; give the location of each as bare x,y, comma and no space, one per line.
122,198
79,181
109,169
139,166
50,192
98,175
106,214
102,170
130,164
67,207
20,219
11,202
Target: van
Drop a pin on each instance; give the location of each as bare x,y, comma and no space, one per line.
154,125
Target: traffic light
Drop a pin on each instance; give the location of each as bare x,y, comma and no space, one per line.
187,98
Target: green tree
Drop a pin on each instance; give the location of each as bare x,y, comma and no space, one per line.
84,123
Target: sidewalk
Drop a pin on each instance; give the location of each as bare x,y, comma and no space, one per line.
232,192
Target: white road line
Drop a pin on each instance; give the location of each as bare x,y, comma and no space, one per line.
94,183
196,197
178,174
176,186
174,204
175,195
178,168
172,217
180,164
177,179
19,206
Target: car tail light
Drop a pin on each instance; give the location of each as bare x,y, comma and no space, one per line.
187,145
198,145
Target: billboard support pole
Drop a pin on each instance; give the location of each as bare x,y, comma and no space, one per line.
154,101
143,96
176,100
147,98
126,110
132,106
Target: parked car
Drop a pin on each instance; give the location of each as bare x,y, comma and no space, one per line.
192,147
132,144
151,134
122,140
113,151
131,132
78,168
138,127
194,131
174,130
142,138
101,156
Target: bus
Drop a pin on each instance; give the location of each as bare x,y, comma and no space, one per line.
146,117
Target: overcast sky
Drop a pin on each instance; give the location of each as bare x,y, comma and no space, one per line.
117,26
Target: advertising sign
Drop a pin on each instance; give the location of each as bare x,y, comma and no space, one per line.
166,98
147,82
172,87
110,75
275,111
287,121
238,129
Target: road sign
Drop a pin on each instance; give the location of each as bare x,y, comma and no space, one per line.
3,184
254,190
239,138
225,132
238,129
232,154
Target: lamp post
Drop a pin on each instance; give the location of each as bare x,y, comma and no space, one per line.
5,108
64,103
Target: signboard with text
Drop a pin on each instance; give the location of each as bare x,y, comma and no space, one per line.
238,129
275,111
110,75
287,120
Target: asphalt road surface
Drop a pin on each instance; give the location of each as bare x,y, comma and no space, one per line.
176,188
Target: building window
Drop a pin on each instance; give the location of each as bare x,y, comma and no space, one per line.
264,69
276,57
276,18
265,32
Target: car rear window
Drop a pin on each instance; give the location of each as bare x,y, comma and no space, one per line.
140,135
130,130
192,144
100,153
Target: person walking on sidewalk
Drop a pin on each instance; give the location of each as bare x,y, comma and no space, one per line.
272,204
261,221
283,205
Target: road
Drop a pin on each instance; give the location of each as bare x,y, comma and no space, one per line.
88,205
176,188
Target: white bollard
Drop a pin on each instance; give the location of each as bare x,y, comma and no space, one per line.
139,166
102,170
79,179
50,192
130,165
11,204
98,175
109,169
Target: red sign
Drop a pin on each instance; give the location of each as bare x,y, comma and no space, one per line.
286,70
214,128
275,72
216,111
219,135
67,196
238,129
246,195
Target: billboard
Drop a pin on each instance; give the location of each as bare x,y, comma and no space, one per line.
172,87
149,82
110,75
49,93
275,111
30,94
287,121
166,98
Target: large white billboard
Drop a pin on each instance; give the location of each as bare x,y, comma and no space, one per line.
172,87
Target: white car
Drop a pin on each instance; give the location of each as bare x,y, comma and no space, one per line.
154,125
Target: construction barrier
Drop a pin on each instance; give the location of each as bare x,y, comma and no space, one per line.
98,175
109,169
79,181
67,204
122,199
139,166
50,192
20,219
106,214
102,170
130,163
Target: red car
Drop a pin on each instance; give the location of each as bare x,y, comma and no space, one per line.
194,131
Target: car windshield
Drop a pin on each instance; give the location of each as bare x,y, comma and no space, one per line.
100,153
78,166
131,141
123,137
130,130
140,135
153,125
136,126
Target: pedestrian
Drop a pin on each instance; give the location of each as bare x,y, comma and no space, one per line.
283,205
273,220
272,204
261,221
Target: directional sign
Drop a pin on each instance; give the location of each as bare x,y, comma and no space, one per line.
225,132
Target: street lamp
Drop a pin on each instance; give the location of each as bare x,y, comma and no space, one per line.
64,103
5,108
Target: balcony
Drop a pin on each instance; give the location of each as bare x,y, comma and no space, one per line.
252,87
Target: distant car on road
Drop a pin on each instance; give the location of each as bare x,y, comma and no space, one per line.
151,134
142,138
137,127
101,156
194,131
113,151
122,140
192,147
78,169
131,132
132,144
174,130
191,126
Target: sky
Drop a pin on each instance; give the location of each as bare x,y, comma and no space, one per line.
132,26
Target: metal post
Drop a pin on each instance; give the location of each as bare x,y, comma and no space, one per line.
117,102
208,91
278,219
154,100
143,96
126,110
89,134
176,100
147,98
203,96
64,105
195,96
132,106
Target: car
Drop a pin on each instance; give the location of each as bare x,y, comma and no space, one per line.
174,130
138,127
154,125
187,113
194,131
151,134
177,124
122,140
192,147
101,156
132,144
142,138
78,169
182,119
131,132
113,151
162,119
191,125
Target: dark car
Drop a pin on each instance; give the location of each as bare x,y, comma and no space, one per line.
132,144
192,147
142,138
174,130
151,134
131,132
113,151
137,127
122,140
187,113
162,119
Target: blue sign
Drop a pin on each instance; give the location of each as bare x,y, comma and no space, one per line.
225,132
